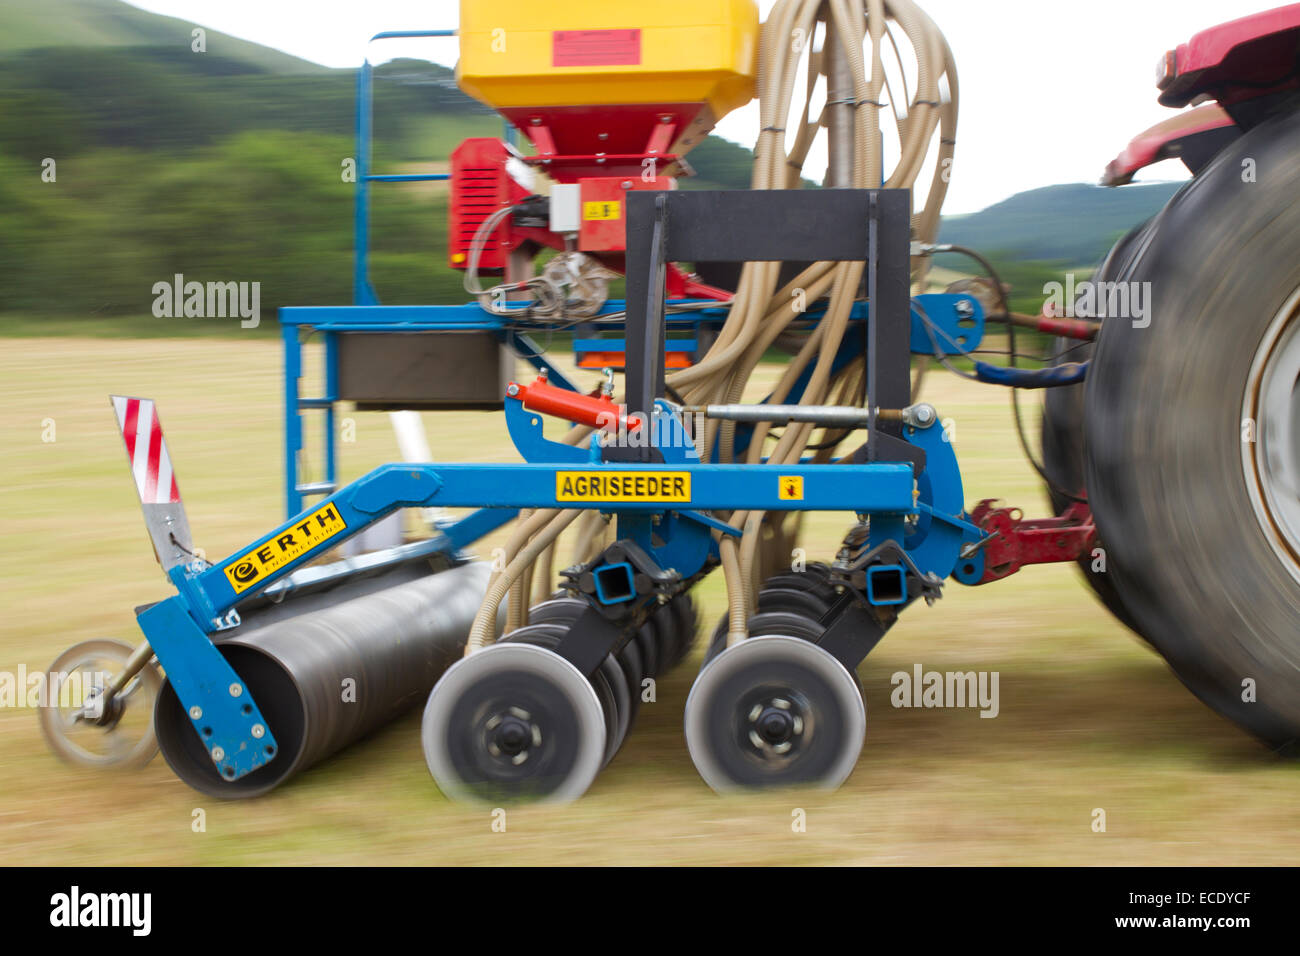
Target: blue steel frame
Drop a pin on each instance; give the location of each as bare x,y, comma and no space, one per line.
229,721
178,629
331,321
362,292
957,322
954,330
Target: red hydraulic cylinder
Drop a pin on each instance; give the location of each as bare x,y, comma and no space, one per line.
598,411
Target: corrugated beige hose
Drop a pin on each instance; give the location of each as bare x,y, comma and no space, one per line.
918,93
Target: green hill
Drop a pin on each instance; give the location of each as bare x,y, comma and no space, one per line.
1074,224
227,165
34,24
158,98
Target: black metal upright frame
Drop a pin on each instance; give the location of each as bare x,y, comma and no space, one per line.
773,225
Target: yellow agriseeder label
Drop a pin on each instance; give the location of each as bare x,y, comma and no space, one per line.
670,487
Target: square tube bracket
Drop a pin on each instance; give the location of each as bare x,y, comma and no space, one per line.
871,225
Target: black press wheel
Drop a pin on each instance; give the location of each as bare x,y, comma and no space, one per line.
774,711
513,722
609,680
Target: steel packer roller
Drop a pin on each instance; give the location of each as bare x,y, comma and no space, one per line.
327,655
327,677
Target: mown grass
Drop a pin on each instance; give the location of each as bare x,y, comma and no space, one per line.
1089,717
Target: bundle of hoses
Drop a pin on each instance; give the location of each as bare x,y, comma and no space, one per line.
861,64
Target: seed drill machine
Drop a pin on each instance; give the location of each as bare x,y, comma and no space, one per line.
1171,446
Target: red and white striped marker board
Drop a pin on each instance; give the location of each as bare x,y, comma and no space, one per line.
146,448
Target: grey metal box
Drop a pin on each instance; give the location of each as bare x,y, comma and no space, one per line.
423,370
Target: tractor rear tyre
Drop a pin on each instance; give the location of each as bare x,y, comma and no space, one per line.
1062,430
1192,431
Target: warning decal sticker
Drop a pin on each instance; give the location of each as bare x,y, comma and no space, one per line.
602,211
596,48
318,527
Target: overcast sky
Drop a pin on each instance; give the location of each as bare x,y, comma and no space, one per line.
1051,90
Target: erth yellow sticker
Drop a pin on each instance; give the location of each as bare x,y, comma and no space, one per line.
790,488
317,528
602,210
666,486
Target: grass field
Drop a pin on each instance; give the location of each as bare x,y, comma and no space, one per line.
1089,717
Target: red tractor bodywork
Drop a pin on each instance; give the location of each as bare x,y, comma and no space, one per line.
1194,137
1236,61
1250,67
